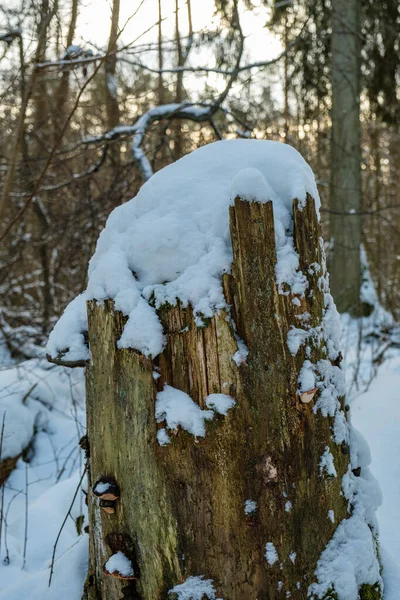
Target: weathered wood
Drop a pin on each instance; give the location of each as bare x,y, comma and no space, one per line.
181,506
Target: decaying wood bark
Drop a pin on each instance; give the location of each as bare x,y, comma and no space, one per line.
181,506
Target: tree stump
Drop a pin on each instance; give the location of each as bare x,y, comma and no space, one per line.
247,505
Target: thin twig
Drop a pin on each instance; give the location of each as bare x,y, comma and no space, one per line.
62,526
2,487
26,517
6,560
64,466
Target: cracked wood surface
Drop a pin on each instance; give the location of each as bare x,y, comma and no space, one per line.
181,510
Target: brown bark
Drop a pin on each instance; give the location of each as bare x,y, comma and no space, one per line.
181,506
41,104
160,57
110,65
178,153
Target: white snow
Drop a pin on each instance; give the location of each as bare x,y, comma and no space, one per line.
296,338
287,265
306,377
326,463
376,412
195,588
348,561
119,563
221,403
67,336
292,557
331,515
250,506
250,184
172,240
240,356
101,487
163,437
271,554
350,558
18,427
176,408
288,506
54,397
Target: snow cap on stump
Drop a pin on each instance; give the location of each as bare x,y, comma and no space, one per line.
172,240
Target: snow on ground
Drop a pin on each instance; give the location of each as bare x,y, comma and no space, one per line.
38,494
376,413
371,347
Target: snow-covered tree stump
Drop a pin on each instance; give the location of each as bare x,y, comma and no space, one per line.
221,463
253,504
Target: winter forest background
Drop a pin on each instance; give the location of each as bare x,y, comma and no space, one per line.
95,97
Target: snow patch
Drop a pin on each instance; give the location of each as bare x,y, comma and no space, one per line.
240,356
220,403
250,184
178,409
327,464
121,564
271,554
250,506
306,377
195,588
67,337
348,561
18,427
101,487
162,437
288,506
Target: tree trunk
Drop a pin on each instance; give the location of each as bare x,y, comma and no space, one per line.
345,228
181,510
160,57
110,69
62,91
43,135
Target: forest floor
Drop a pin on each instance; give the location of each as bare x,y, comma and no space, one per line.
38,495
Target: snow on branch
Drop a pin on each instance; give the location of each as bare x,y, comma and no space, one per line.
193,112
10,36
196,112
86,57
